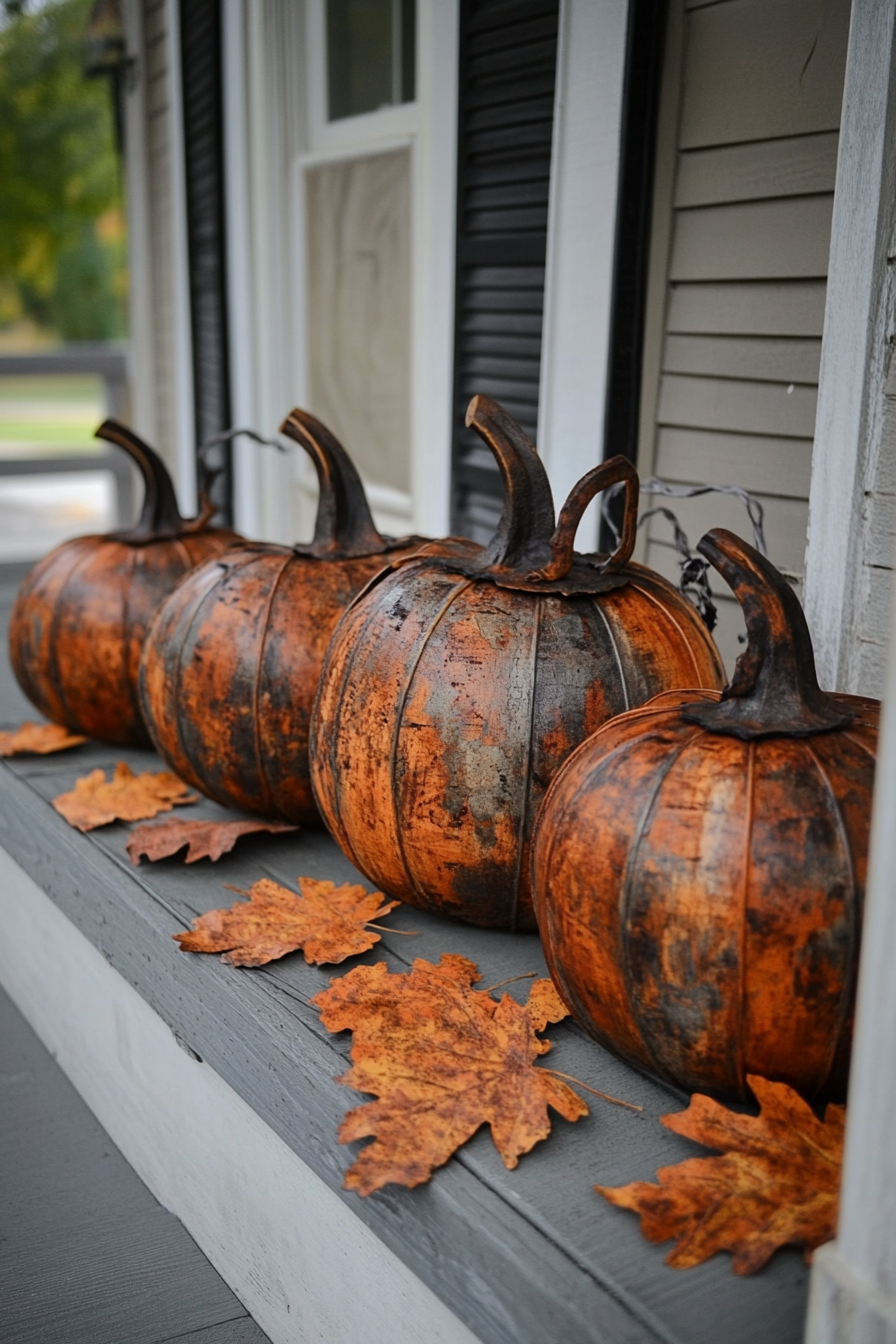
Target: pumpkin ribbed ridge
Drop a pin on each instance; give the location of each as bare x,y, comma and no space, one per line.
436,732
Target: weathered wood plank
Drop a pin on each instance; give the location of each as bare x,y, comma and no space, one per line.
783,410
773,359
785,239
800,165
760,463
243,1331
520,1256
787,308
88,1253
757,69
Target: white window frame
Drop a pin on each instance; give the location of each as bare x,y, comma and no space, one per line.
276,114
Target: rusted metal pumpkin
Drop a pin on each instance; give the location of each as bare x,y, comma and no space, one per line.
232,662
454,689
699,864
82,613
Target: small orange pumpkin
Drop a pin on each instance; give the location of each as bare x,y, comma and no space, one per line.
81,615
699,864
454,688
232,662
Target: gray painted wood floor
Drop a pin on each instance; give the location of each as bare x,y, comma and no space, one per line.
87,1255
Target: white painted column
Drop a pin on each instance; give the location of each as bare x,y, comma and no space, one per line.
858,330
853,1293
581,238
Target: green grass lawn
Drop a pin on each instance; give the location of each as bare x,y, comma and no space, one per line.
48,415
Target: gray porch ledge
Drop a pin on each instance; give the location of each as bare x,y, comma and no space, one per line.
529,1255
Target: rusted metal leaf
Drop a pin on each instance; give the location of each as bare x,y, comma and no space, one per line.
203,839
443,1059
38,739
95,801
327,922
777,1183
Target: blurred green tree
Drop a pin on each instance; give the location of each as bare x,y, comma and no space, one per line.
62,250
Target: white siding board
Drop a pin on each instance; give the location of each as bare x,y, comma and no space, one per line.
785,523
775,359
747,407
755,240
794,308
750,224
760,69
795,166
756,462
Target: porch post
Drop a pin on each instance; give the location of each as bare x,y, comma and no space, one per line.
853,1292
855,451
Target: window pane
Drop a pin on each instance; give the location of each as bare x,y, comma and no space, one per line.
359,309
370,55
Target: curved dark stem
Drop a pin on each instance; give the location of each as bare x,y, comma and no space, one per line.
160,516
774,688
612,472
522,541
343,525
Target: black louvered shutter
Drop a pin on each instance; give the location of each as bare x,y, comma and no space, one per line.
508,63
200,36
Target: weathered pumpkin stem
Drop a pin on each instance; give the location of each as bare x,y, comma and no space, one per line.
601,477
522,542
344,525
160,516
774,688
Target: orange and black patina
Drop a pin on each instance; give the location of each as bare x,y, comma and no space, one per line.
699,864
232,661
82,613
455,687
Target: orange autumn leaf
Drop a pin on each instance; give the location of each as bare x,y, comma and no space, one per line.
38,739
443,1059
204,839
95,801
776,1185
326,921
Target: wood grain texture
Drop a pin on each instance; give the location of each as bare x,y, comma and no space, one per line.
856,358
786,239
792,166
88,1253
759,69
520,1256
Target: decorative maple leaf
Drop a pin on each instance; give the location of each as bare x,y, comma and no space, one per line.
443,1059
776,1185
205,839
38,739
95,801
326,921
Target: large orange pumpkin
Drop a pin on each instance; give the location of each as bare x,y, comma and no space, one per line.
232,661
454,689
82,613
699,864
